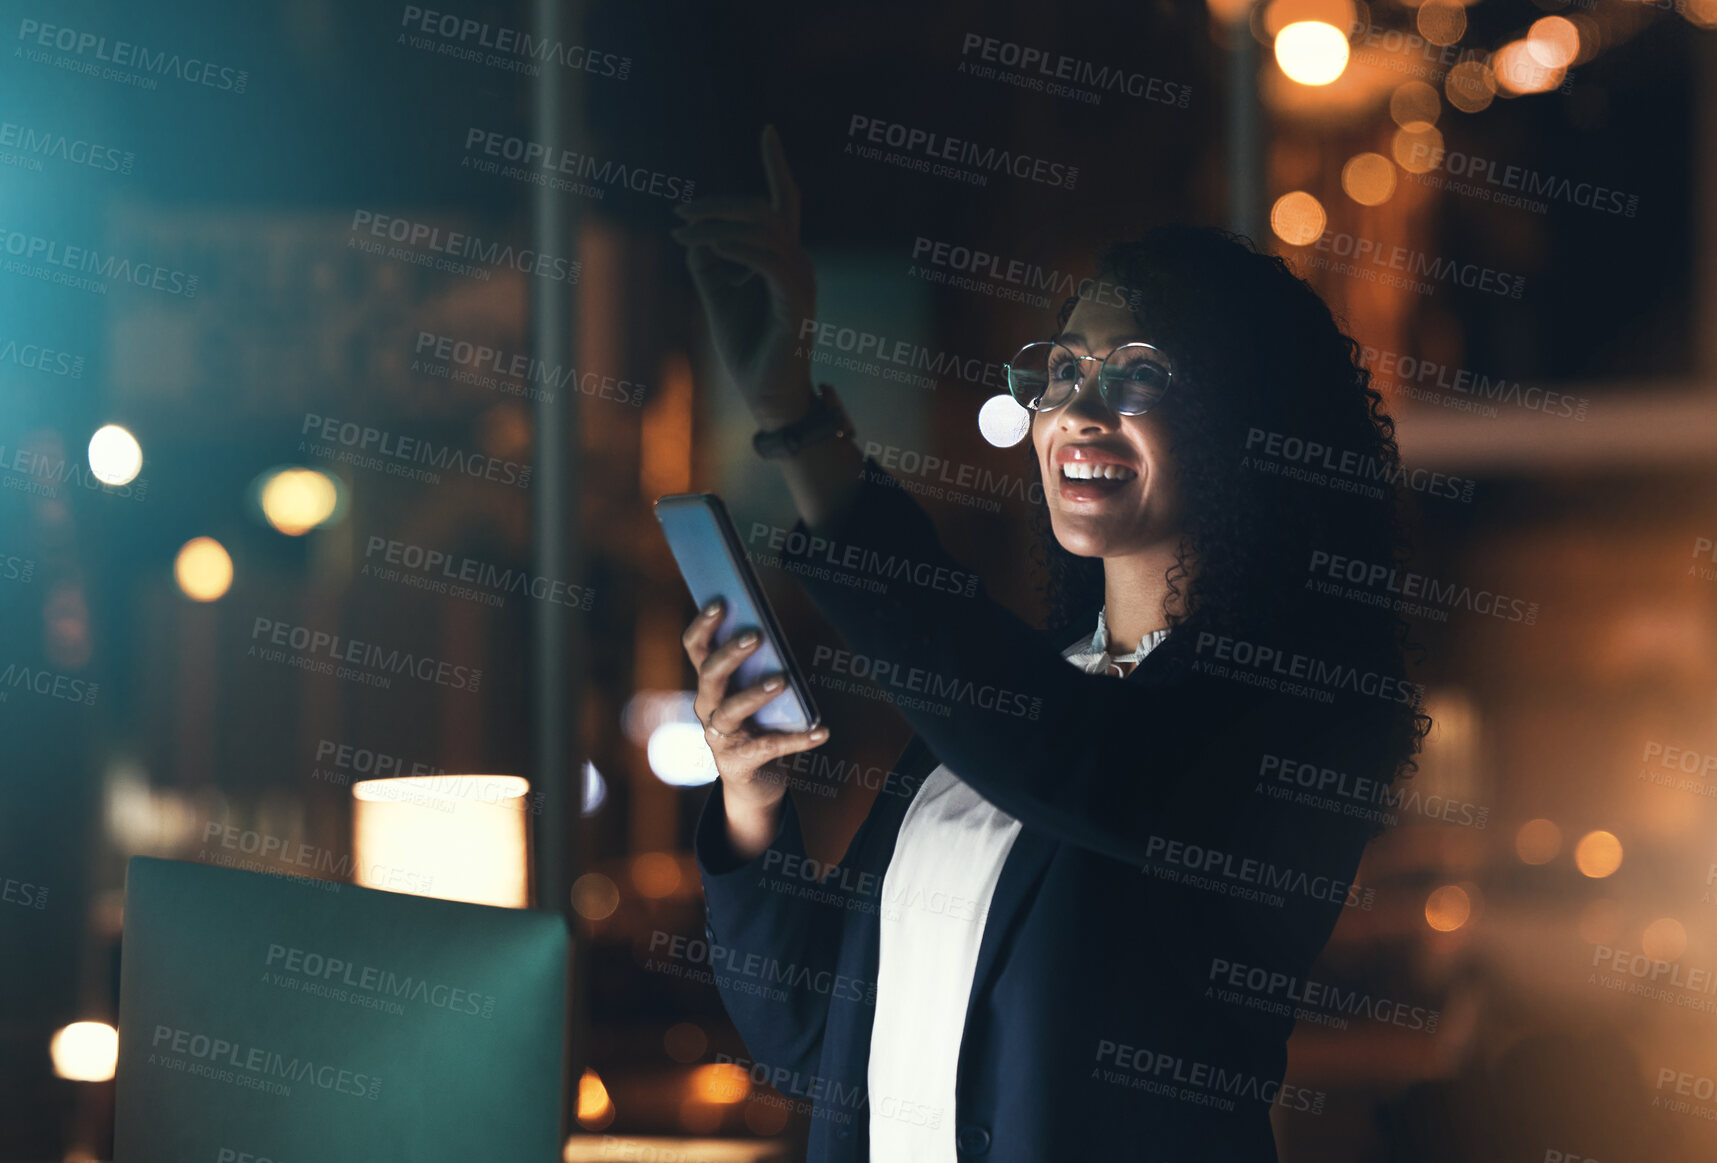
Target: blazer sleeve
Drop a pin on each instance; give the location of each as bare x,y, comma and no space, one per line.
1104,764
774,928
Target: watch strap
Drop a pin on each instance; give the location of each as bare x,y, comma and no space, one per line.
826,420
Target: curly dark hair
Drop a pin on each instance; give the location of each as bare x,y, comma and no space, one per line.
1259,358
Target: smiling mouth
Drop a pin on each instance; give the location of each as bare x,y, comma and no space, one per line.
1085,471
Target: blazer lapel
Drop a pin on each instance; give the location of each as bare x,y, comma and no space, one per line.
1024,867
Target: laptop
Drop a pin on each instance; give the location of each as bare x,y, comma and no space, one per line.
271,1018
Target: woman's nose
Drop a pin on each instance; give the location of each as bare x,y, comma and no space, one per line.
1087,407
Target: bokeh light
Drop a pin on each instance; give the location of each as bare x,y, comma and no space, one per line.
1554,42
595,897
655,874
85,1051
203,569
1448,908
1471,87
1298,218
1415,101
1417,147
595,1109
1518,72
720,1082
595,790
1368,178
679,755
1538,841
296,500
115,457
1311,52
1442,22
1003,421
1665,939
1598,854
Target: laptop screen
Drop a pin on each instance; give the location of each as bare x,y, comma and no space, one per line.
286,1019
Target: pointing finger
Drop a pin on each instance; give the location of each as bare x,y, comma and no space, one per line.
783,191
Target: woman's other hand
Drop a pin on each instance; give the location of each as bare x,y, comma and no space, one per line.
757,286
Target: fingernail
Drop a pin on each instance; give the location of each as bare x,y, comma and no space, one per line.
713,608
749,638
772,684
819,734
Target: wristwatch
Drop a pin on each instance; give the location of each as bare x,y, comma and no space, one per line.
826,420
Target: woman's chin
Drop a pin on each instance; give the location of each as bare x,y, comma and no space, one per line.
1081,536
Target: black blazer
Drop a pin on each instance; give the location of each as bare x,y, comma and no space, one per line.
1118,1010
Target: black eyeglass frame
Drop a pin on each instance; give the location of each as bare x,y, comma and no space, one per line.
1158,357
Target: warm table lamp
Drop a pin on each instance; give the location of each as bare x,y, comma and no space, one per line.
457,837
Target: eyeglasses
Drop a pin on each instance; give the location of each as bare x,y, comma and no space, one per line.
1133,379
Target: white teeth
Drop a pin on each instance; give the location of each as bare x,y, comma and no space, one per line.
1084,471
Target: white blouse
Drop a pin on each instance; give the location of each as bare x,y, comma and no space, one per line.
935,895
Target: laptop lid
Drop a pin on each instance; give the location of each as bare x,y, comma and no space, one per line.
264,1017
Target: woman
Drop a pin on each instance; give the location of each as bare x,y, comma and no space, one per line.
1084,944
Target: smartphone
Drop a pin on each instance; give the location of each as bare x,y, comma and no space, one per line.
713,562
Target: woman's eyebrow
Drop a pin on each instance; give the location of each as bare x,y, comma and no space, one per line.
1072,337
